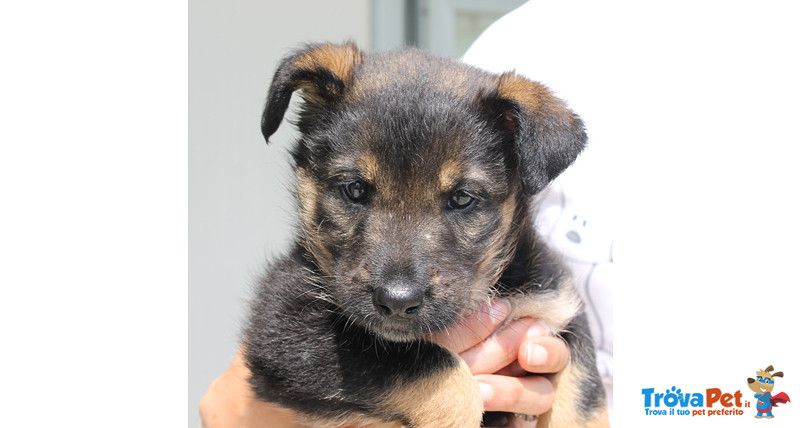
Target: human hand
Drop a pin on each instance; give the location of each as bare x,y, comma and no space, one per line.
501,362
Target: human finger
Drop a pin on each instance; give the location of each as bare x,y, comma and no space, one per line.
498,350
513,369
531,395
540,353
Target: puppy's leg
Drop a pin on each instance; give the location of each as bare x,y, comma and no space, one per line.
447,398
570,406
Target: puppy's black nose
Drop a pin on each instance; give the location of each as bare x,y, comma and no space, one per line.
399,300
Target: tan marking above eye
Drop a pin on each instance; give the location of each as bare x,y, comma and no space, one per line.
369,166
449,174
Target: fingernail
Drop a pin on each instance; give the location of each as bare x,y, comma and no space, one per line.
536,330
499,310
486,392
537,354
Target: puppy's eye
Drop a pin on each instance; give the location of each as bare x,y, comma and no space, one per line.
460,200
355,191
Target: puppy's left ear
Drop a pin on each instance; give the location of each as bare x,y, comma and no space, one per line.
547,135
322,74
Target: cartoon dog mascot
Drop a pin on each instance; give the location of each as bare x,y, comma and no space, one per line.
762,385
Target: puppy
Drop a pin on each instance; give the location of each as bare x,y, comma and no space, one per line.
414,177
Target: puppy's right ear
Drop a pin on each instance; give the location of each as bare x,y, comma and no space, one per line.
547,135
323,73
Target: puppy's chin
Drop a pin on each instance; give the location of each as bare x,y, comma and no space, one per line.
397,335
407,330
397,331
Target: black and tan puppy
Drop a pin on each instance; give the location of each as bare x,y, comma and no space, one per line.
414,177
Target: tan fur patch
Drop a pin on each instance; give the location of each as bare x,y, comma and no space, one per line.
307,194
448,399
528,94
553,308
531,96
563,415
449,173
340,59
370,167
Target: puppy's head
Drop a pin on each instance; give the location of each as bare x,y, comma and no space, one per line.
413,177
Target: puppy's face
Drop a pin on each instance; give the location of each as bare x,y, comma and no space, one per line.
411,184
408,210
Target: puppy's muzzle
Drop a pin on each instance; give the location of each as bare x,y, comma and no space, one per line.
398,300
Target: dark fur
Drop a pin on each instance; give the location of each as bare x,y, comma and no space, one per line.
415,129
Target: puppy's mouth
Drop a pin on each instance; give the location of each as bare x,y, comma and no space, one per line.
397,330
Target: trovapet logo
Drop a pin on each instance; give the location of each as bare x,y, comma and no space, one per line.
763,385
716,402
711,402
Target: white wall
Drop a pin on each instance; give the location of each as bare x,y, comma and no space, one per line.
240,212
